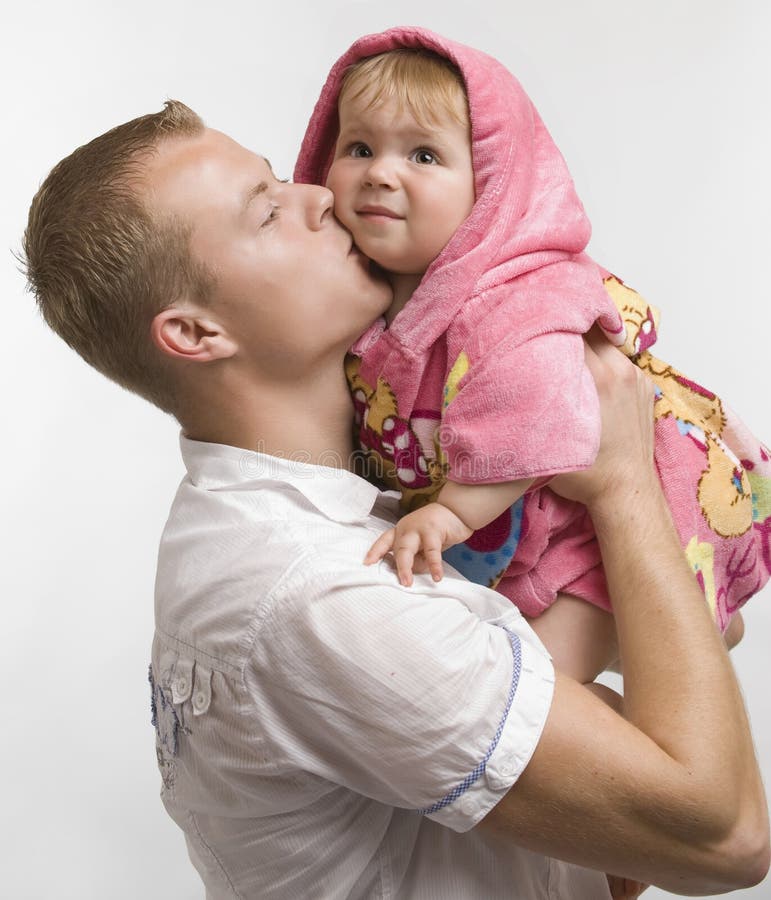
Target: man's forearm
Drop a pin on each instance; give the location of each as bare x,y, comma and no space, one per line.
679,682
680,687
671,795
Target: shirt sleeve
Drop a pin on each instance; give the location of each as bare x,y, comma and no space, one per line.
524,410
405,696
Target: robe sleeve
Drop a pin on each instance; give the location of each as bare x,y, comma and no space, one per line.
524,410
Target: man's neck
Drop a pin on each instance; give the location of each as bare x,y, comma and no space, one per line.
303,419
404,287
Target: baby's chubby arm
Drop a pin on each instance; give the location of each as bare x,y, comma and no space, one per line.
418,539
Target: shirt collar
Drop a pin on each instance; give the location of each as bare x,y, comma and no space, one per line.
337,493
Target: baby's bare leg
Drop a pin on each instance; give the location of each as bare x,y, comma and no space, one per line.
581,637
735,631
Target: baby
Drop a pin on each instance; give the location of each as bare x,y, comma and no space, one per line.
473,393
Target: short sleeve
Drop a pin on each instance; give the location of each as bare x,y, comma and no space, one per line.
524,410
404,696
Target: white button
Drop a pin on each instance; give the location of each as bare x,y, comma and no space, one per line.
468,806
180,688
507,768
200,700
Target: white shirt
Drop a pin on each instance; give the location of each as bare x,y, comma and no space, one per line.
323,732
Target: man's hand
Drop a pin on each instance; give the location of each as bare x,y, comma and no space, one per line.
625,458
625,888
418,539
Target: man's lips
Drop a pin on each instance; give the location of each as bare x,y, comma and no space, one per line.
357,254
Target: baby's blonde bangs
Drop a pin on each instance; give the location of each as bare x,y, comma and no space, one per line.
423,82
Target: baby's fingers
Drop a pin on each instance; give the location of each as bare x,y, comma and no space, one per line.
432,553
405,557
381,546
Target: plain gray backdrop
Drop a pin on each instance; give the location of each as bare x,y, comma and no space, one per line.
662,111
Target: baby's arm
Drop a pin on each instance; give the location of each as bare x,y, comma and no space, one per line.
417,540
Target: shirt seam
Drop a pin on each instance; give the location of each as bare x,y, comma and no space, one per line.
174,643
171,642
268,609
386,874
204,843
479,770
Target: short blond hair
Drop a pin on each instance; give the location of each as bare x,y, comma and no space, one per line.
422,81
100,266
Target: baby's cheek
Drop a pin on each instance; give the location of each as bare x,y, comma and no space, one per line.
347,217
336,184
336,180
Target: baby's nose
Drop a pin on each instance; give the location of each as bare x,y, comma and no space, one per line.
380,173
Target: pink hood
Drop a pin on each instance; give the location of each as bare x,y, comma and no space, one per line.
527,213
506,301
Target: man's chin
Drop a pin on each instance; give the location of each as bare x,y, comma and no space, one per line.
378,277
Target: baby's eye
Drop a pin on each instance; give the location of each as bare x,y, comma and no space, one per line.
425,157
359,151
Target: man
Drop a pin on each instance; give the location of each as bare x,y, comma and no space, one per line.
322,731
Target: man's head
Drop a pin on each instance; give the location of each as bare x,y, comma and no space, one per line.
162,244
402,172
100,265
290,289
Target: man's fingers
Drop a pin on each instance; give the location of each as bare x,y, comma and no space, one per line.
598,352
595,339
625,888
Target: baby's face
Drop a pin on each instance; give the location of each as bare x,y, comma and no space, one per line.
400,188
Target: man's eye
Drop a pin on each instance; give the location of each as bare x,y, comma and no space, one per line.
425,157
359,151
271,216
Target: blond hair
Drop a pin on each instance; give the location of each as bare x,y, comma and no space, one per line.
100,266
422,81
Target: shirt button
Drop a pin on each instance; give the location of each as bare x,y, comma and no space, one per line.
468,806
181,685
199,700
507,768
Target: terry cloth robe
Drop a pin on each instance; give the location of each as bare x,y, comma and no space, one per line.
481,376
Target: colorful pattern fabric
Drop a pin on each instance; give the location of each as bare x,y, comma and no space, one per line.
481,377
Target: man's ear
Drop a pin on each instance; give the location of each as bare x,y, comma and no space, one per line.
187,333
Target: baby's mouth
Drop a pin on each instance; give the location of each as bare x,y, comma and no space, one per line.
377,213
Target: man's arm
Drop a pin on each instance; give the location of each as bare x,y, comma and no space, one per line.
671,794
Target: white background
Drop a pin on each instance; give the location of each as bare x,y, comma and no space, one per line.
662,111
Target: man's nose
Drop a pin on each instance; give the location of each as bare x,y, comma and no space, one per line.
319,202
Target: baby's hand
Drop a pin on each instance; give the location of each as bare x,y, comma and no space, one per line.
418,539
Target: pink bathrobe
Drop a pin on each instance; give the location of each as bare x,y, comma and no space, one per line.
481,377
